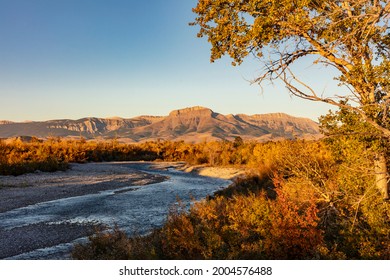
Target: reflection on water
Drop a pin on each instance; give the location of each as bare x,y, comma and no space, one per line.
135,209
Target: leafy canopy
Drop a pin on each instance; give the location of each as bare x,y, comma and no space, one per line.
351,36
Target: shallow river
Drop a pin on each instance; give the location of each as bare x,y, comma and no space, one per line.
135,209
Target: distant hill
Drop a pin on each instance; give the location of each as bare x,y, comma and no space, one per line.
193,124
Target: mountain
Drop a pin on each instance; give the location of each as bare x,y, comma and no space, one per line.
193,124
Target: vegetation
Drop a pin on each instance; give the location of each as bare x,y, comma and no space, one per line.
301,199
352,37
326,199
18,157
304,200
308,200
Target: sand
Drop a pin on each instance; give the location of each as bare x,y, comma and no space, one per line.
228,173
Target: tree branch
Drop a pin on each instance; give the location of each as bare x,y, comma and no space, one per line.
341,64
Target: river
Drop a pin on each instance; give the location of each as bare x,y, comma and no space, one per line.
135,209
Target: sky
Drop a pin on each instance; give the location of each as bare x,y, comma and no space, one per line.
69,59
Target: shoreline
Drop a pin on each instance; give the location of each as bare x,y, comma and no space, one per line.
81,179
33,188
88,178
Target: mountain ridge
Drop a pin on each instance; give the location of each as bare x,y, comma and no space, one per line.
193,124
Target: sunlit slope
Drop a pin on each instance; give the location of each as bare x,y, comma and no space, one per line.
190,124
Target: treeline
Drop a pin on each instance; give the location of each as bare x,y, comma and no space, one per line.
18,157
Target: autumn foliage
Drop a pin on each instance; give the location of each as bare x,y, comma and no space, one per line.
241,227
299,200
18,157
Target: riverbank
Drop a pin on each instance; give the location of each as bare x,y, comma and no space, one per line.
24,229
88,178
80,179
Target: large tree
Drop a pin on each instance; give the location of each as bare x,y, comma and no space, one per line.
351,36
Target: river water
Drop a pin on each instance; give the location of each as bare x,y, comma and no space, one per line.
135,209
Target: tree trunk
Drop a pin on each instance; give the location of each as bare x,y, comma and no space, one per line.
381,175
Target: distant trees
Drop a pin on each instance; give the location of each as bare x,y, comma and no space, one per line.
352,37
18,157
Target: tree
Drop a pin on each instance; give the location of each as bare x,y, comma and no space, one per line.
238,141
353,37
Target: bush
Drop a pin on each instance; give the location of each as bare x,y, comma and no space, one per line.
247,226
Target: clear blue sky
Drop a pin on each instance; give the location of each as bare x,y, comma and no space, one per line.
102,58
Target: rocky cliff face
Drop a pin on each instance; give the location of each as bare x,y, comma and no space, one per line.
190,124
191,112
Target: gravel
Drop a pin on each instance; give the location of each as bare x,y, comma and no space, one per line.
81,179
